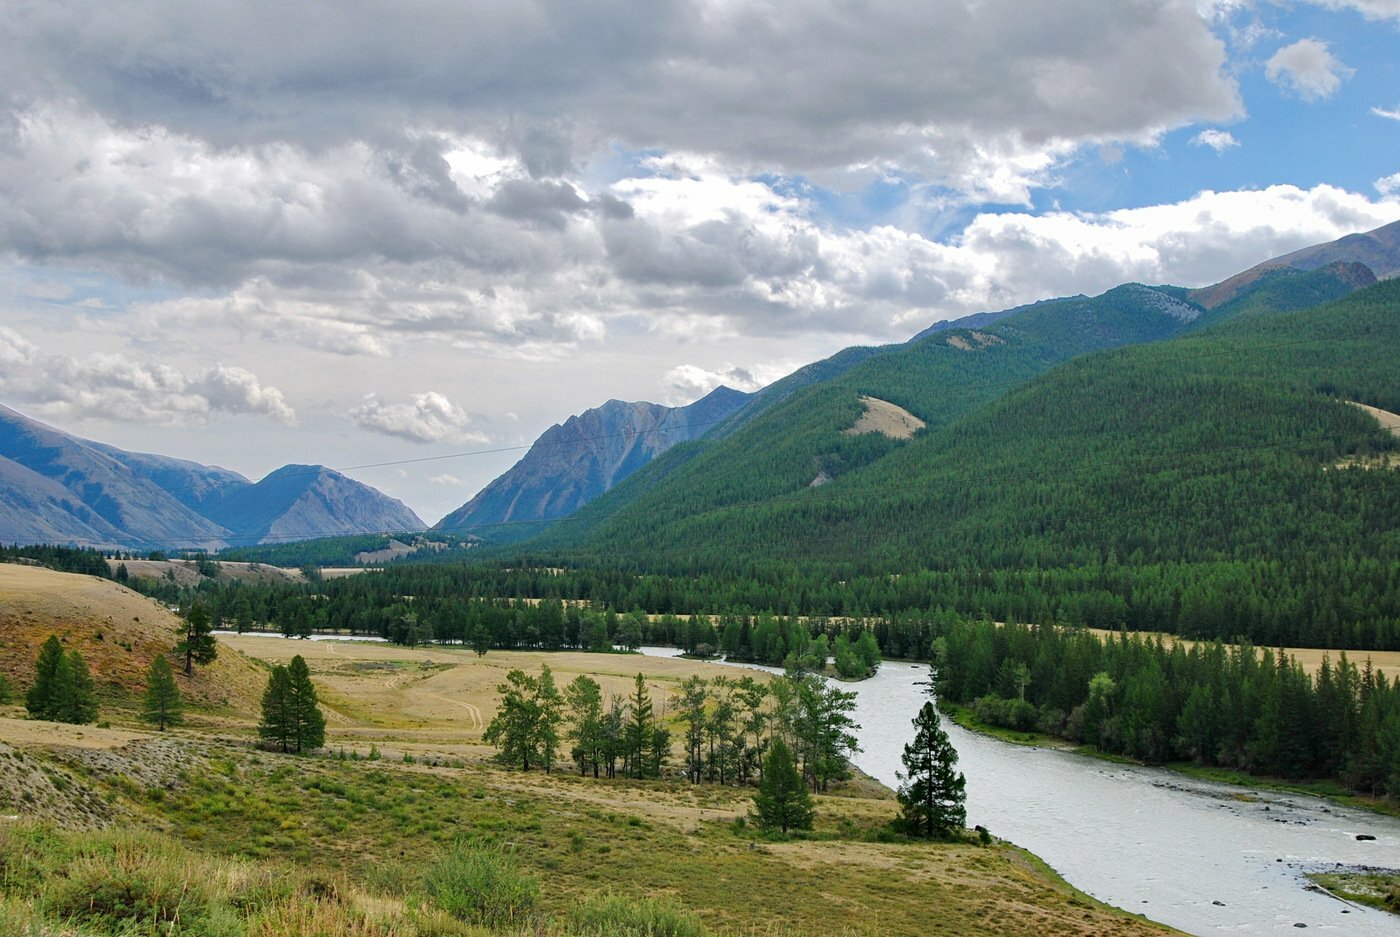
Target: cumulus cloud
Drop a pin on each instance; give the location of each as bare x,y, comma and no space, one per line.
450,480
428,417
1392,113
1308,69
805,88
687,383
1218,140
116,387
1388,186
1371,9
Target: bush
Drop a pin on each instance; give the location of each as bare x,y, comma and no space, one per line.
481,886
1014,714
6,691
624,916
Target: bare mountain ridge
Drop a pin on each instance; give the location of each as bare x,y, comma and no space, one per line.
574,462
60,488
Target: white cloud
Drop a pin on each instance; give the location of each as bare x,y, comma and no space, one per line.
115,387
687,383
429,417
804,87
1218,140
1371,9
1308,69
1392,113
1389,186
451,481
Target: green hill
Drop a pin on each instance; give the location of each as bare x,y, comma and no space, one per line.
1200,484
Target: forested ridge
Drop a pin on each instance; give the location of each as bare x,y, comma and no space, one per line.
1212,484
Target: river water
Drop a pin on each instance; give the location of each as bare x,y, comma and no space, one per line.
1203,857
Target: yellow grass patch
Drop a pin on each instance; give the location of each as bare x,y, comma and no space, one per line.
118,632
883,417
1310,658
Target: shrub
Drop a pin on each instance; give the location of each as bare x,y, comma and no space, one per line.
481,886
624,916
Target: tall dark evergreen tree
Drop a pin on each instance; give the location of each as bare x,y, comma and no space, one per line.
932,794
62,690
41,699
782,802
161,704
308,725
77,696
277,720
197,644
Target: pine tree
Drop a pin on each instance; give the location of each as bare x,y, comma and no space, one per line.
782,802
640,722
196,642
40,700
63,689
308,725
932,794
161,704
276,725
78,702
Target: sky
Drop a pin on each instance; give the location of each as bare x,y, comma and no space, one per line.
404,238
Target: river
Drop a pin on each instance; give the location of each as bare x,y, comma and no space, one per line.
1203,857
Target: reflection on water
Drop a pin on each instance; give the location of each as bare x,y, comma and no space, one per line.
1203,857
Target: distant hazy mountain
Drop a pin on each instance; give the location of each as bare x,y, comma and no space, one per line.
302,502
59,488
573,463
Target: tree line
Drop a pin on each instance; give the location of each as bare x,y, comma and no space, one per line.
1237,707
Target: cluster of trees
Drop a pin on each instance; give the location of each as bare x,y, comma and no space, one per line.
732,723
532,711
1231,706
62,690
730,727
291,715
88,561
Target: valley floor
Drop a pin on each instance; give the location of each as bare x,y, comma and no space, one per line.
369,830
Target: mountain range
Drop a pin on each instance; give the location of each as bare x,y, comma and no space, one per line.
59,488
793,433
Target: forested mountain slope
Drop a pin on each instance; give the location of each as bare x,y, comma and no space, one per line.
1216,483
939,379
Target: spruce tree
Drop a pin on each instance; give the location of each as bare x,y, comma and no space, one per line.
782,802
276,725
161,704
308,725
932,794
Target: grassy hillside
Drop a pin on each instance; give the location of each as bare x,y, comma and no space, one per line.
118,632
